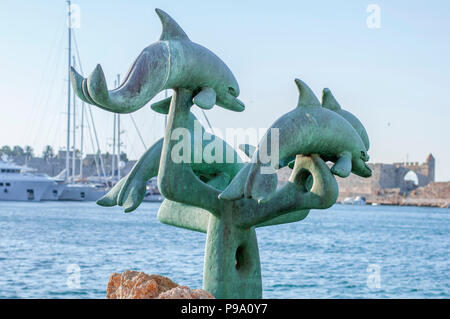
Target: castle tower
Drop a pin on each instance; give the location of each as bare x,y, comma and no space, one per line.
431,167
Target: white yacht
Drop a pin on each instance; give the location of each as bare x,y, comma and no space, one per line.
358,200
79,190
17,183
82,192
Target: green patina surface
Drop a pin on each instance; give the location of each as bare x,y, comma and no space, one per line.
227,201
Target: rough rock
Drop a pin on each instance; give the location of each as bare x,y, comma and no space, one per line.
183,292
139,285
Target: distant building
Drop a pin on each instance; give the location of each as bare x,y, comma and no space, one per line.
388,176
384,176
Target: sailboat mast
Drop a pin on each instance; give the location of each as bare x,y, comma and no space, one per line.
113,159
81,142
68,91
74,133
118,136
165,116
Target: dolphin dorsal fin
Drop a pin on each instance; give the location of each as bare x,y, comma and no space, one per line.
170,29
307,96
328,100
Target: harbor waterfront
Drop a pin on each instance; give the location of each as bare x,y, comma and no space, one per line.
68,250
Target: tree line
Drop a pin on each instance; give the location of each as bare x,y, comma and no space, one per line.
47,153
26,151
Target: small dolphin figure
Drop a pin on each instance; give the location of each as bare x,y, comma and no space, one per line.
329,102
172,62
308,129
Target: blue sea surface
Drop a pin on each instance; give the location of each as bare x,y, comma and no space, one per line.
342,252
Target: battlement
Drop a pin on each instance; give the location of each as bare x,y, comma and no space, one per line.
387,176
384,176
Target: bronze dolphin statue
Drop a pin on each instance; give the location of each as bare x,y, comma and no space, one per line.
308,129
172,62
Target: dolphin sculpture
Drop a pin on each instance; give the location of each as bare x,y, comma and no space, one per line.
329,102
172,62
308,129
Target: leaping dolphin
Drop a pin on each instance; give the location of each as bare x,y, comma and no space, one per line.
172,62
308,129
329,102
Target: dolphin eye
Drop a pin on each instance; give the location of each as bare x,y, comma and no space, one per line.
363,155
232,91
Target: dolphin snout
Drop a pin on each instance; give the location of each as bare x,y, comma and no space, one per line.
239,105
364,156
230,102
367,171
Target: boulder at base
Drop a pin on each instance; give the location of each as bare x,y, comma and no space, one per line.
139,285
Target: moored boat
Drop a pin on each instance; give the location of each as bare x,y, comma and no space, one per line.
18,183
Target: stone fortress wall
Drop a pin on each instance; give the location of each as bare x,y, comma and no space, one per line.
388,176
388,183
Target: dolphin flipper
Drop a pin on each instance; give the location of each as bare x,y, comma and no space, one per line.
162,106
205,99
110,198
343,166
235,190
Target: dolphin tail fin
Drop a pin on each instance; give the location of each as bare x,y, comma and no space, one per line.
78,81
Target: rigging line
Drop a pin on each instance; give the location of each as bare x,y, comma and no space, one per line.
58,130
138,132
38,96
51,126
99,153
92,144
49,96
207,120
42,106
130,151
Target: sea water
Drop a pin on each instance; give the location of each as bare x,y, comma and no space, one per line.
69,250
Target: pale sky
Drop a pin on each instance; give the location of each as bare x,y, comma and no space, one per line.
395,78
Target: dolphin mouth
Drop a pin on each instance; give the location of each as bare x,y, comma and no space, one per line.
364,156
230,102
240,103
368,170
